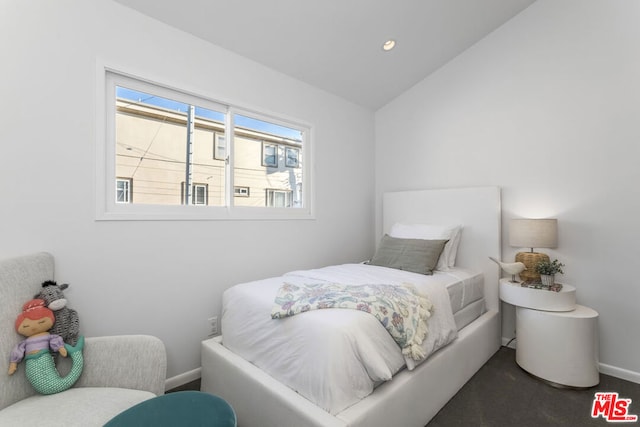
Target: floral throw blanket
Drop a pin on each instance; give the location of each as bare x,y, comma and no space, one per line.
400,309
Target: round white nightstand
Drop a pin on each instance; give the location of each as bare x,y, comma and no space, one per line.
557,340
560,347
538,299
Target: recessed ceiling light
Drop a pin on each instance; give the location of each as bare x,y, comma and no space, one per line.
389,44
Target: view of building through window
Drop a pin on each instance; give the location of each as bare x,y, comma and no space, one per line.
173,153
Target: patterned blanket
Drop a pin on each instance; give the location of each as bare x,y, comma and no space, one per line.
400,309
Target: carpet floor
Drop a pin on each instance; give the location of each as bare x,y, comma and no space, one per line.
502,394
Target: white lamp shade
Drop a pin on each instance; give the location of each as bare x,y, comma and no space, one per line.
533,233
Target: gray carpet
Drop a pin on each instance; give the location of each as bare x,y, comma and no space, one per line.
502,394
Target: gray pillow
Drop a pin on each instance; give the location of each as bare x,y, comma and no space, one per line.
415,255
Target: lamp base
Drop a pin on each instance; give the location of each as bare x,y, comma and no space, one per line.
530,259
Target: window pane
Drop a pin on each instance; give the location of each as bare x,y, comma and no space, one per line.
291,157
220,147
270,155
268,160
199,196
152,137
123,190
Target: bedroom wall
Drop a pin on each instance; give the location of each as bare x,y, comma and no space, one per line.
547,107
157,277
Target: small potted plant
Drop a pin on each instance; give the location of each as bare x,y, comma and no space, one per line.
548,271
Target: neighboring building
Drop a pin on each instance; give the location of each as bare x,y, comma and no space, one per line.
151,153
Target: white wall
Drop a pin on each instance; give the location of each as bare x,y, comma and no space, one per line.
548,108
160,277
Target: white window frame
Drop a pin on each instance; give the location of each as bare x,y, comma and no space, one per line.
129,183
266,146
271,193
290,161
194,193
109,76
241,191
219,147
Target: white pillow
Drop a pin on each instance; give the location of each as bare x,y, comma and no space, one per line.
432,232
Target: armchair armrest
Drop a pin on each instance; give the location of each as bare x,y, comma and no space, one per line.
137,362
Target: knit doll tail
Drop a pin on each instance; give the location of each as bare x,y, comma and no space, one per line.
78,347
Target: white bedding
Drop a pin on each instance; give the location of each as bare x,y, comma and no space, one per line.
295,350
466,292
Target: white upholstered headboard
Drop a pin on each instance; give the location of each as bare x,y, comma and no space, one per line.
476,208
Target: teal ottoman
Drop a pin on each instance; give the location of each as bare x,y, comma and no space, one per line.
183,408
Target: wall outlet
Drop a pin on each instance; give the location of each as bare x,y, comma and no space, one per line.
213,326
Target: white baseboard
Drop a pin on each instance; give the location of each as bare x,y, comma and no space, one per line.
613,371
509,342
623,374
182,379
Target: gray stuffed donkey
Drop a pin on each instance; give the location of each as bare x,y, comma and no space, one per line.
67,324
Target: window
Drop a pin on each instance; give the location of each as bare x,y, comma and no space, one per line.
161,142
291,157
278,198
168,141
219,148
198,196
270,155
123,190
259,161
241,191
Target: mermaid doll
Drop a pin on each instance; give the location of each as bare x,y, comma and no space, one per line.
34,323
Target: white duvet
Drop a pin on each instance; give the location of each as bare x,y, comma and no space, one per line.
333,357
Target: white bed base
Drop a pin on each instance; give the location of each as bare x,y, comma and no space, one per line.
411,398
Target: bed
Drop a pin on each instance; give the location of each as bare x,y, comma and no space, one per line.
409,397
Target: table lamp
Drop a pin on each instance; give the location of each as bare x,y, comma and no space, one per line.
532,233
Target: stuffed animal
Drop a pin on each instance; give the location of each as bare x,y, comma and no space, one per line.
67,324
34,322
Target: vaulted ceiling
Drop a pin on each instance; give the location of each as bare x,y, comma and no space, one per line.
336,45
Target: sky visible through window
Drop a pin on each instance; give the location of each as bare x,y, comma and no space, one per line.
240,120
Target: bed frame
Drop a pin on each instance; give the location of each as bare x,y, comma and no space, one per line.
411,398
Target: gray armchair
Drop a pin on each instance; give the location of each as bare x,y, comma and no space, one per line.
119,371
